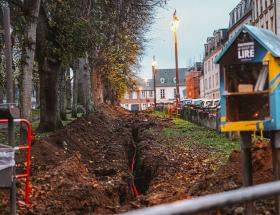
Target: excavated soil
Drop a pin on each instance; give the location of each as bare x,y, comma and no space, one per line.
86,168
229,177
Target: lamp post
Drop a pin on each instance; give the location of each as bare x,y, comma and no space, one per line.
175,24
154,64
140,98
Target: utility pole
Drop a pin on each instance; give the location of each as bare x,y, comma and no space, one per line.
154,64
175,24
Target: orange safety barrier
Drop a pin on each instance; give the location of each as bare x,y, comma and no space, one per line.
26,175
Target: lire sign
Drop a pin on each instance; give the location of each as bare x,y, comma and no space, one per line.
246,51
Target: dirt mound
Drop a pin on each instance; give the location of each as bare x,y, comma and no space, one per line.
86,168
229,177
98,178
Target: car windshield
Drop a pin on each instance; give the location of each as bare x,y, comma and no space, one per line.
199,102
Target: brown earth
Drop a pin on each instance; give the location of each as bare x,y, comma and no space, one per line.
229,177
85,168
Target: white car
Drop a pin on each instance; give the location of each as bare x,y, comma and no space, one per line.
207,102
186,102
197,102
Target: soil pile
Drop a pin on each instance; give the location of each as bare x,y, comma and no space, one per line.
85,168
229,177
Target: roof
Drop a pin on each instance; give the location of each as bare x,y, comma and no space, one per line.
243,9
146,85
264,37
165,77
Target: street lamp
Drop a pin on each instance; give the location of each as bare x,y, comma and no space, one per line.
175,24
146,93
140,97
154,65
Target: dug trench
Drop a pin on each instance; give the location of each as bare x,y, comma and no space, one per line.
85,168
95,165
143,173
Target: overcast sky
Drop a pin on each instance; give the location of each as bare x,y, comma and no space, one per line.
198,20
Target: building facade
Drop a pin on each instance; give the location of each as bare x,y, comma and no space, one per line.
239,16
211,71
201,86
141,98
166,84
193,81
263,15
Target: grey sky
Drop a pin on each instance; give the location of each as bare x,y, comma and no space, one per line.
198,20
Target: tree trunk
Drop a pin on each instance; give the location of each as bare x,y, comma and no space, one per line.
28,57
75,93
37,94
68,90
85,92
49,68
97,87
1,95
62,97
49,99
109,94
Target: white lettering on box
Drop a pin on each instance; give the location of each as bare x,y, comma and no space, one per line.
246,51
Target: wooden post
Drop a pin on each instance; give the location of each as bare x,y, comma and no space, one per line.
275,144
246,144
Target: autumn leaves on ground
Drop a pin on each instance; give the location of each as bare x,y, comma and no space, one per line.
86,168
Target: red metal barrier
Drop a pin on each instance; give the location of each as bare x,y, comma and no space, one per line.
30,139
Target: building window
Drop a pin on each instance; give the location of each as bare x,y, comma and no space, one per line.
147,83
151,94
143,94
162,94
210,83
257,8
217,79
175,93
162,80
266,24
272,24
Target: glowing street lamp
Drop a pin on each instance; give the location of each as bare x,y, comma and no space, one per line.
154,65
175,24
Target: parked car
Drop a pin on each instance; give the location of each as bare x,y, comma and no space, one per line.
185,102
207,103
197,102
202,102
